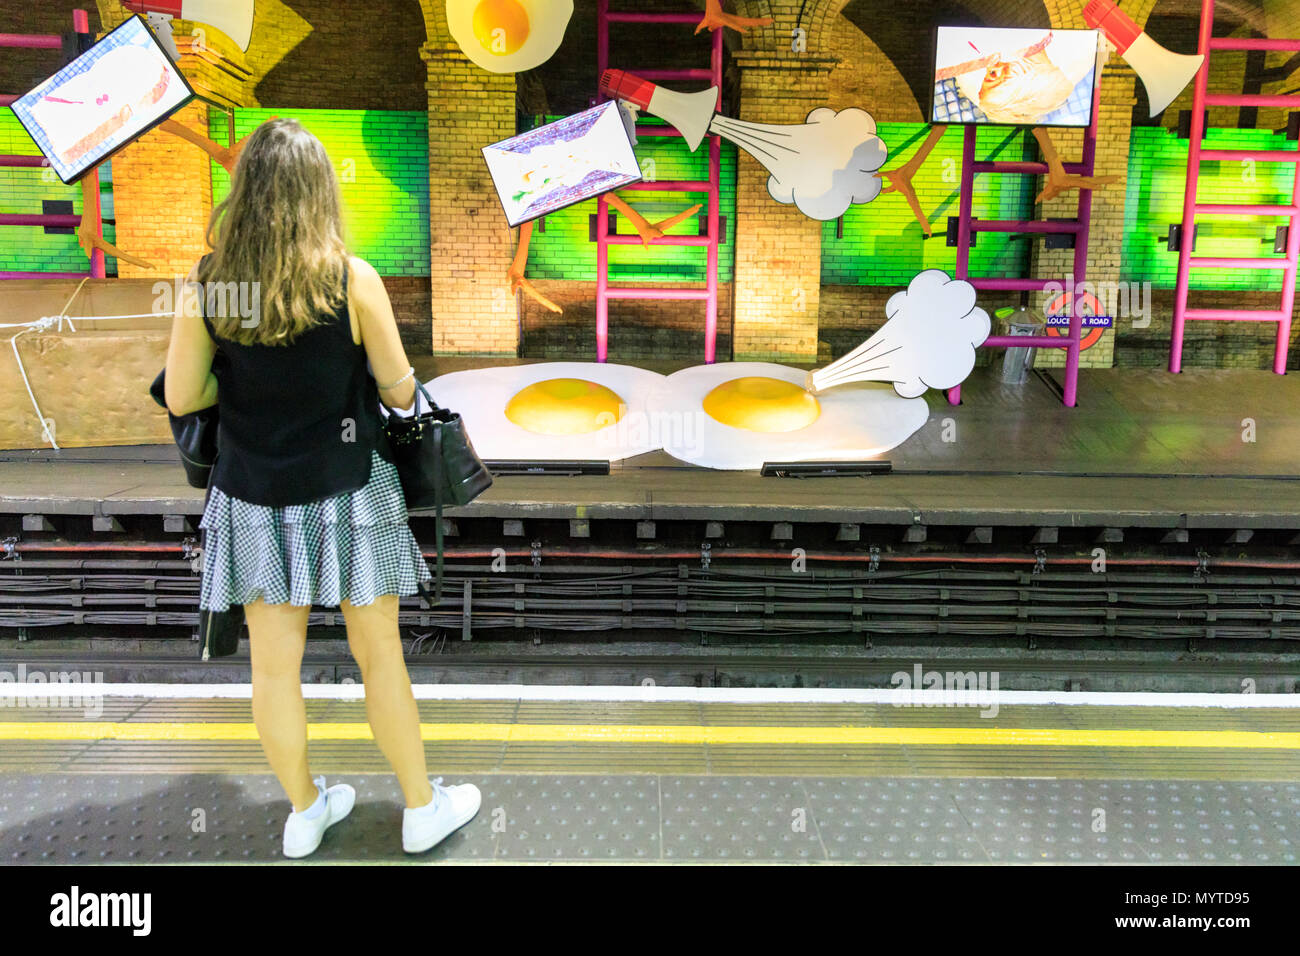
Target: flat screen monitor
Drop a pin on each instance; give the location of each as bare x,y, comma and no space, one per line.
103,100
562,163
1014,77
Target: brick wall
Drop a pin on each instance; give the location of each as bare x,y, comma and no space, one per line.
566,83
471,245
162,185
1232,72
381,160
24,190
1281,19
881,242
310,54
22,69
644,331
1207,344
162,195
322,54
412,303
563,248
778,248
1157,178
866,77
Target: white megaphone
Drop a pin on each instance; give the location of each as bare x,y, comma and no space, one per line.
1164,74
234,18
690,113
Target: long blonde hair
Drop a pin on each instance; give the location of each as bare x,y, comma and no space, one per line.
281,226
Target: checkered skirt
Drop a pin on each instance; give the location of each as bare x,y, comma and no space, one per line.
354,546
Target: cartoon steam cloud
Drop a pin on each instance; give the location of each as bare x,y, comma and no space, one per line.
823,166
928,341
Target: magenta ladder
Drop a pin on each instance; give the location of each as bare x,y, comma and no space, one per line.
50,41
1079,227
1192,206
709,294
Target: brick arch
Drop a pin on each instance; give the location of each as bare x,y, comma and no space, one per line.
1013,13
435,20
1253,14
879,67
900,46
818,17
815,16
365,68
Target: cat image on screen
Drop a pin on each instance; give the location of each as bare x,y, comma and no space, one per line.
1016,77
1023,89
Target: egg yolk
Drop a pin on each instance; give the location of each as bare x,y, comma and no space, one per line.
565,406
501,26
761,404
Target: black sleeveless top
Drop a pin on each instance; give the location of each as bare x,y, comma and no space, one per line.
298,422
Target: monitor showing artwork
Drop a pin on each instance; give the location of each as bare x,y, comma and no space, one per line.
1017,77
103,100
562,163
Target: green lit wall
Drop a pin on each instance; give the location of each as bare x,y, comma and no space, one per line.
565,249
382,161
29,248
883,243
1157,173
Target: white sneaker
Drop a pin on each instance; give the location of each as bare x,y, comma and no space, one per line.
449,810
303,833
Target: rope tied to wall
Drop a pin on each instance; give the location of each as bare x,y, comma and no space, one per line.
44,324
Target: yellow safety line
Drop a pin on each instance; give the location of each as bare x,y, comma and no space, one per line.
674,734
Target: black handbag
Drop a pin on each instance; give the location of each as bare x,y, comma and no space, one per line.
219,631
196,439
437,465
195,435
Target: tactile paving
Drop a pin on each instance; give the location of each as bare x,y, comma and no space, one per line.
589,817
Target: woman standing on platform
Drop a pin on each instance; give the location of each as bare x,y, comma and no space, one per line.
304,504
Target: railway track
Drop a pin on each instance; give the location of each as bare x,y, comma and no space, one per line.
1226,622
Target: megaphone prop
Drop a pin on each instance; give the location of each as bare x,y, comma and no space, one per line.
234,18
690,113
1164,74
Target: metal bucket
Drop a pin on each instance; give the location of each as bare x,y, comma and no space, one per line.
1018,361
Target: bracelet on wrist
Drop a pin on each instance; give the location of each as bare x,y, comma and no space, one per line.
409,373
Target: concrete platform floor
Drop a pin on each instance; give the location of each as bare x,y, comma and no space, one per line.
717,778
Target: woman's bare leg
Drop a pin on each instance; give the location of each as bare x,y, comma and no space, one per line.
277,638
376,643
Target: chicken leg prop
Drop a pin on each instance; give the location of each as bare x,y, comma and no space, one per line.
649,233
715,18
88,236
900,179
1058,180
227,156
516,271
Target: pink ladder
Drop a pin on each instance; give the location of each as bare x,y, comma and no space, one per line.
1192,205
711,186
51,41
1079,227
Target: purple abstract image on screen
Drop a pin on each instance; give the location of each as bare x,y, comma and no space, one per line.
562,163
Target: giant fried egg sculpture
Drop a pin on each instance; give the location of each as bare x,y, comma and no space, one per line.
738,415
565,410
